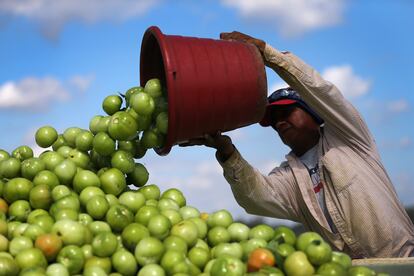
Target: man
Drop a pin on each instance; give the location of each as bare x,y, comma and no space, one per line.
333,180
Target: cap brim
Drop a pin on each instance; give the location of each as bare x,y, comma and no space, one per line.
267,121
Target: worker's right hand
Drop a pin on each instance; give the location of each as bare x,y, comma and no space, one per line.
260,44
222,143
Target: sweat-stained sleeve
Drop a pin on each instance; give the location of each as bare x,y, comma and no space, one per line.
322,96
272,196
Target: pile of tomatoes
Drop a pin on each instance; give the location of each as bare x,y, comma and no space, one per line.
83,207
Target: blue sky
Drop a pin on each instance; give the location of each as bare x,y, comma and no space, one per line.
59,59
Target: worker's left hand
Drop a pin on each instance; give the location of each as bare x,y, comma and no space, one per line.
222,143
260,44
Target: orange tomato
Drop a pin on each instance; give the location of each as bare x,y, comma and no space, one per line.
3,206
259,258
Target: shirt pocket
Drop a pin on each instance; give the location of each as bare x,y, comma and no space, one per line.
340,169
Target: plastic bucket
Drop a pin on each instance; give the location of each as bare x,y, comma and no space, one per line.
212,85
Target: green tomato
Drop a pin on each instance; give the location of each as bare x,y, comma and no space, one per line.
112,104
124,262
18,244
217,235
150,139
104,244
342,258
4,155
96,227
297,264
220,218
118,217
60,142
131,91
57,269
65,171
176,195
162,122
142,103
17,188
150,191
318,252
46,136
153,88
149,250
159,226
170,259
80,158
175,243
84,141
60,191
51,159
113,181
124,161
139,175
10,168
186,230
31,166
31,257
122,126
173,216
305,239
133,200
97,207
238,231
261,231
94,124
19,210
47,178
22,153
202,227
151,269
72,258
331,269
85,178
145,213
89,192
361,271
133,234
9,267
103,144
70,135
227,249
228,266
199,257
40,197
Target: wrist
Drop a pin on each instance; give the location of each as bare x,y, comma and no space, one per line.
224,153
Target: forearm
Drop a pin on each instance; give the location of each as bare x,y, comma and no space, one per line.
256,193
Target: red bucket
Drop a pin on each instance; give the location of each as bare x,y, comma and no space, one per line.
212,85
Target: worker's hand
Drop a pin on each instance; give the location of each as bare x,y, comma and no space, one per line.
222,143
260,44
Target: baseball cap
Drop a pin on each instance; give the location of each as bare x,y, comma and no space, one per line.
286,96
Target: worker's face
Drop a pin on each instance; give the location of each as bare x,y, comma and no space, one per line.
296,128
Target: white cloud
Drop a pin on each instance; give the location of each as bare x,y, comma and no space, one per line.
351,85
52,14
36,94
81,83
291,17
398,106
32,93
